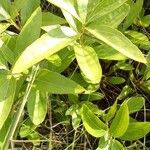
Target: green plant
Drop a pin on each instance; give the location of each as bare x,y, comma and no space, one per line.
37,47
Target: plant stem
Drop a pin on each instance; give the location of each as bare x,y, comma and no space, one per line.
20,110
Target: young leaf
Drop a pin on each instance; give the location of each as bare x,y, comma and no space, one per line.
92,123
37,106
67,6
118,41
50,81
88,63
120,122
135,104
108,53
6,104
136,130
116,145
43,47
146,21
34,23
3,27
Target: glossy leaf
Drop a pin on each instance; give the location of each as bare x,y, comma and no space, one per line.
108,53
83,9
120,122
34,23
92,123
104,7
3,27
88,62
118,41
37,106
146,20
4,15
114,18
116,145
43,47
6,104
135,104
50,81
67,6
136,130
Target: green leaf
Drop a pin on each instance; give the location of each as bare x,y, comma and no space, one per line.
92,123
133,14
29,7
67,6
115,80
37,106
51,19
88,62
136,130
50,81
3,63
116,145
3,27
43,47
146,20
135,104
83,9
4,15
114,18
103,7
6,104
108,53
120,122
137,37
111,112
127,90
34,23
118,41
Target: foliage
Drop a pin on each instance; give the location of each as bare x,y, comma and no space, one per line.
78,53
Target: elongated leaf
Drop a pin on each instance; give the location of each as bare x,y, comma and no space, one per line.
133,14
83,9
104,7
4,15
120,122
92,123
43,47
66,5
118,41
6,104
57,84
136,130
146,21
51,19
37,106
109,53
135,104
115,80
88,63
137,37
34,23
4,85
29,7
3,27
113,18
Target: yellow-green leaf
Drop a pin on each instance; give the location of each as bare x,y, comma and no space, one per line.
118,41
88,63
43,47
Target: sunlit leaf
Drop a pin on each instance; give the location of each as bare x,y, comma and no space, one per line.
118,41
43,47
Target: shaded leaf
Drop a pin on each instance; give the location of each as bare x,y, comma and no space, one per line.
50,81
